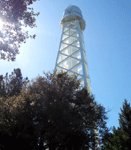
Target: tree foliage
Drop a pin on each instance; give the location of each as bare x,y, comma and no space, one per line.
53,111
121,137
11,85
15,14
125,117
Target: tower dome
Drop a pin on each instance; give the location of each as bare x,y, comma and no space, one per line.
73,13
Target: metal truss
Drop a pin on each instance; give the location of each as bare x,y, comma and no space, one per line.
71,54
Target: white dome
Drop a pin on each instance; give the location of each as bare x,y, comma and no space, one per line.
72,10
71,13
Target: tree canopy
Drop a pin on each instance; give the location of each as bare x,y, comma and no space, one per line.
12,84
15,14
121,137
51,110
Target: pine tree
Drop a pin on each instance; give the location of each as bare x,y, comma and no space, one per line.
125,124
121,137
125,117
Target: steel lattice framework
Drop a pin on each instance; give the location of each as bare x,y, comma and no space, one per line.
71,54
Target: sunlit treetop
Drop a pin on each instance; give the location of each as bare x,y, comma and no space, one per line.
15,14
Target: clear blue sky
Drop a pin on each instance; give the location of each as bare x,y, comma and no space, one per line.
107,40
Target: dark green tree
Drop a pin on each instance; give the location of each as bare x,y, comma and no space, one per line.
15,14
69,112
51,110
16,124
125,117
121,137
11,85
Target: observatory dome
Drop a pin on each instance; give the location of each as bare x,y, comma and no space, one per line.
73,13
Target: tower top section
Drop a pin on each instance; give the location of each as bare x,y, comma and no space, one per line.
73,13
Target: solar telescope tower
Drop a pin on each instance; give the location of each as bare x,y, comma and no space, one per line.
71,56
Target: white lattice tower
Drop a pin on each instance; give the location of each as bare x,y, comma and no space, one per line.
71,54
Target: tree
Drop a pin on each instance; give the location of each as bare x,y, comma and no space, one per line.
11,85
16,124
15,14
125,117
68,111
120,139
54,112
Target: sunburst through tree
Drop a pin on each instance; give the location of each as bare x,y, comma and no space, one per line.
14,15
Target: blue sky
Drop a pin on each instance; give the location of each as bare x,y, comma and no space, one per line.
107,39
